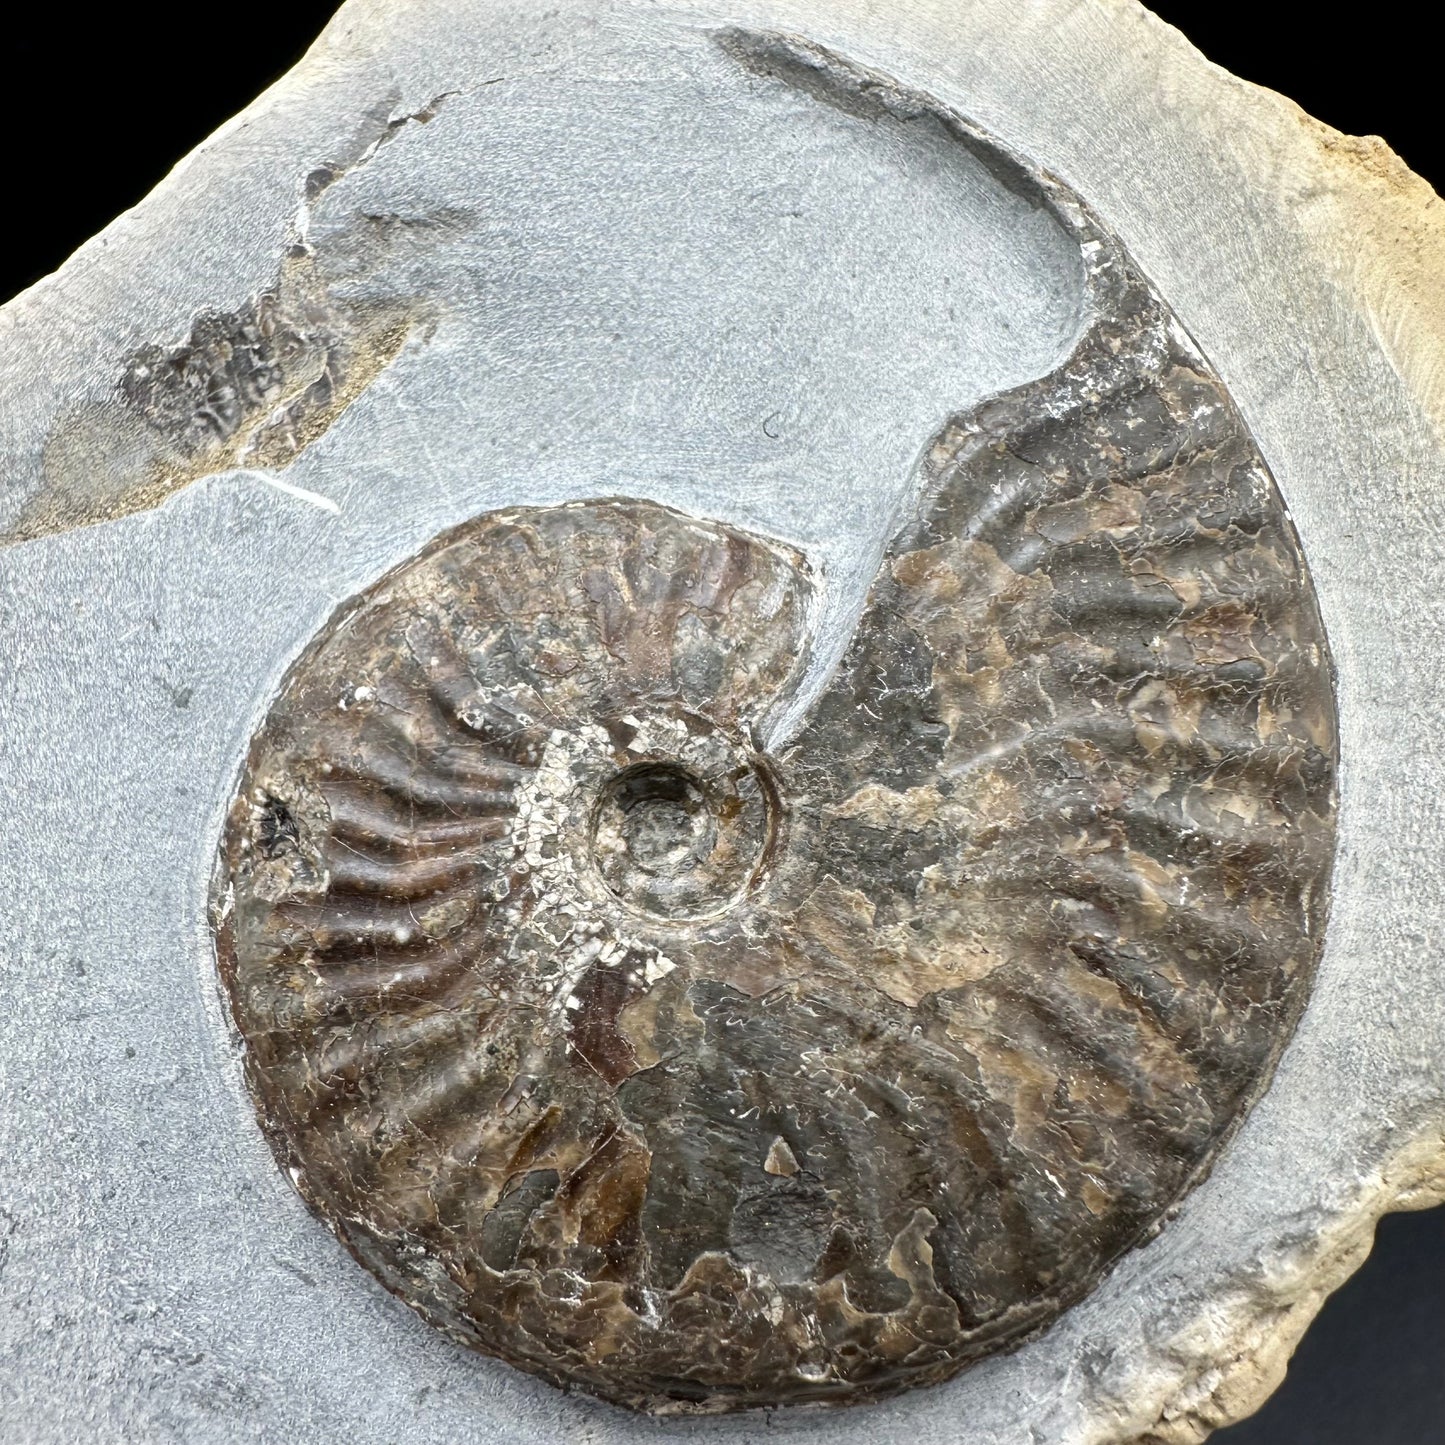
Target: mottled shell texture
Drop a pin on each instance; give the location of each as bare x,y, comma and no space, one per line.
700,1060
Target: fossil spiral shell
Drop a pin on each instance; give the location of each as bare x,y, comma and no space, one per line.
699,1064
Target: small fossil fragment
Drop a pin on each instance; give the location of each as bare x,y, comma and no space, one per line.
702,1065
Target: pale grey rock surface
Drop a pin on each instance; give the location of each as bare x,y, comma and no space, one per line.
579,251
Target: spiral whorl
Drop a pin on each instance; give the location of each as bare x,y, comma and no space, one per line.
699,1070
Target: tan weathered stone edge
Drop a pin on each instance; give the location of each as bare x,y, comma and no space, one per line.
1238,1357
1387,225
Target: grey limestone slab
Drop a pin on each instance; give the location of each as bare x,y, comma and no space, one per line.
544,254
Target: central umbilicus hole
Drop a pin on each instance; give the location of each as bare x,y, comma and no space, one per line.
665,822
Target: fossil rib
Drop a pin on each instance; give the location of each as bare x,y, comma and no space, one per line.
699,1076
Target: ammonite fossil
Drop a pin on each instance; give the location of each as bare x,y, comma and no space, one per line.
681,1026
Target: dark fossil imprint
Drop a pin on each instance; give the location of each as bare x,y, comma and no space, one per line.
700,1065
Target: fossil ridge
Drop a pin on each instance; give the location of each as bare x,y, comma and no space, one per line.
702,1070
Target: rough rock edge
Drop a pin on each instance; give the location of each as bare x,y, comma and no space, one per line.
1394,264
1233,1359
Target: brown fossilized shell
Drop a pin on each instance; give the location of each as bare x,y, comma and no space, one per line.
700,1066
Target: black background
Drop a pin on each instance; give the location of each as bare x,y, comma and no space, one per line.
101,102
